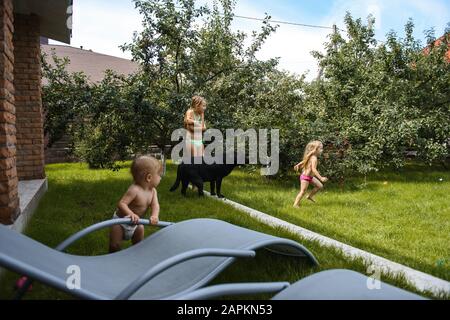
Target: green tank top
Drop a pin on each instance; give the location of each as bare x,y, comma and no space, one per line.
197,119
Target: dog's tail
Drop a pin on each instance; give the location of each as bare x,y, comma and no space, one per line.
177,181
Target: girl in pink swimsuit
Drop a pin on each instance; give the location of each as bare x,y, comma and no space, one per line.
309,173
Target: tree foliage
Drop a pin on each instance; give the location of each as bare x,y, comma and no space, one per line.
374,102
380,100
185,51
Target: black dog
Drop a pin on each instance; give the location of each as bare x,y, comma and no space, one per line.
197,174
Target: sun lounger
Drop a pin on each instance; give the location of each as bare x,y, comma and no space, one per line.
173,261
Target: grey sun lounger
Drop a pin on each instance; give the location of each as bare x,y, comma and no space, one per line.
334,284
175,260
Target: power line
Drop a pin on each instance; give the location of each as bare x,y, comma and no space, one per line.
334,27
285,22
297,24
279,21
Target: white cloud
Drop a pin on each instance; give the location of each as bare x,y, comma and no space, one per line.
292,44
102,26
294,47
436,14
375,10
431,7
393,14
356,7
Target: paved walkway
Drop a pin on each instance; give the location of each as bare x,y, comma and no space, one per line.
30,192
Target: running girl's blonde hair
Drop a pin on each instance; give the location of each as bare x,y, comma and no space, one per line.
310,150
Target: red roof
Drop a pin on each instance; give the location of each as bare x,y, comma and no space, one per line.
93,64
438,42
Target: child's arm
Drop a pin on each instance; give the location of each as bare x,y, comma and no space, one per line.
154,218
314,170
189,121
203,122
189,117
126,199
297,166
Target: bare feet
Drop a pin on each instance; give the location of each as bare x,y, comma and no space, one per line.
311,199
296,206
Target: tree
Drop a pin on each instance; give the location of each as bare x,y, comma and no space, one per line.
182,56
374,102
63,96
380,100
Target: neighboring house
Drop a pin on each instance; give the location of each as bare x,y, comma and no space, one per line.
438,42
22,23
94,66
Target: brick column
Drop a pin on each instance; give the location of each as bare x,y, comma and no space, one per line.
27,82
9,199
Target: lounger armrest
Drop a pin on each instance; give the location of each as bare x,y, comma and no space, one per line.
164,265
104,224
233,289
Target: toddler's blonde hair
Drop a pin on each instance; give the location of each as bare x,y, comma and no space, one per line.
144,165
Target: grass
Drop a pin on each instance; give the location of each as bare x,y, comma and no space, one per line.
402,215
78,197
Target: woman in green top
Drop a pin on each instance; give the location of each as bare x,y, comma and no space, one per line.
194,122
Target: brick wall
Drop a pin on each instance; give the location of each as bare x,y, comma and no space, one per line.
59,152
9,199
27,82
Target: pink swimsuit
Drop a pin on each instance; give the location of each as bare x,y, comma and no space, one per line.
306,178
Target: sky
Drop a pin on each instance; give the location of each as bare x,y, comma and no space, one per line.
104,25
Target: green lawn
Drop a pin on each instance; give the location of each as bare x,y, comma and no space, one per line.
402,215
78,197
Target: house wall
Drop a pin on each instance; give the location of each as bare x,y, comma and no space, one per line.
21,119
9,199
27,82
59,151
